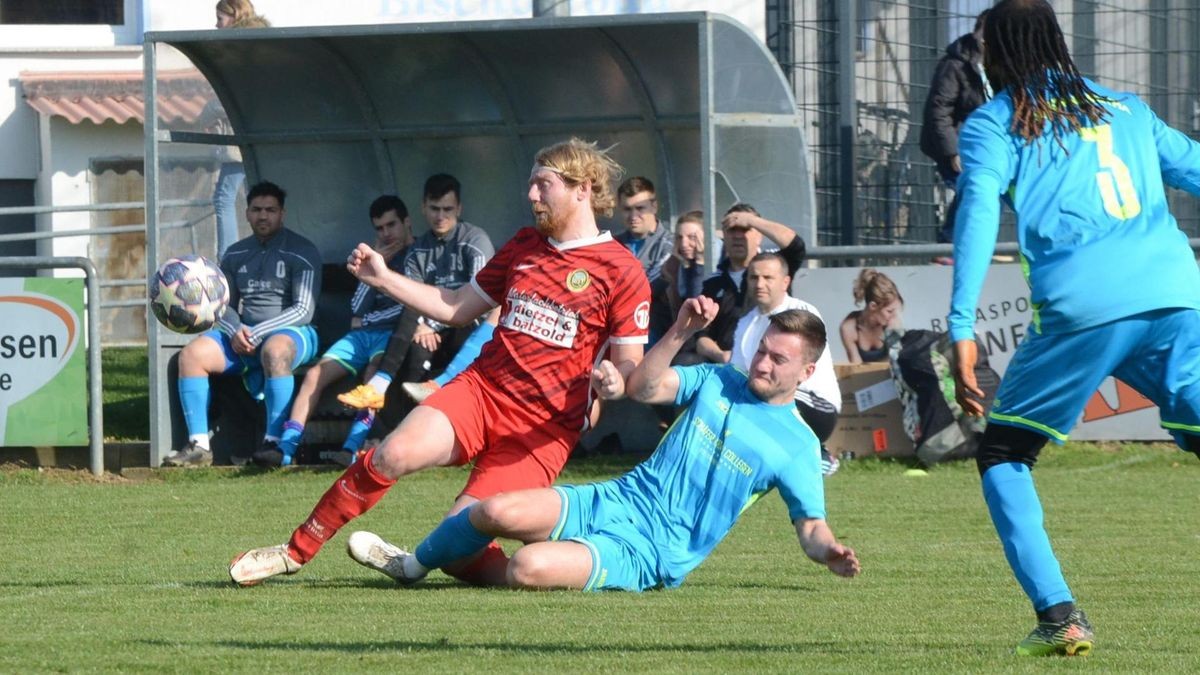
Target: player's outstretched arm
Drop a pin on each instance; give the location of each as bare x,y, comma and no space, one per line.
456,307
823,548
653,381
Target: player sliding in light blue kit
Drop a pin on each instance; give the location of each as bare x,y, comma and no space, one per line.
739,437
1114,285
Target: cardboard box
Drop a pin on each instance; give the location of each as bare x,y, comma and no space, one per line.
872,420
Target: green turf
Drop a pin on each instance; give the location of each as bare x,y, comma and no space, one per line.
131,576
125,378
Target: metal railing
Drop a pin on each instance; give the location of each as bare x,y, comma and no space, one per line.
103,231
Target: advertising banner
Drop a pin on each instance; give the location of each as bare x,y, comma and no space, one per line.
1115,412
43,375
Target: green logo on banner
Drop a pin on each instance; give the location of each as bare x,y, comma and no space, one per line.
43,378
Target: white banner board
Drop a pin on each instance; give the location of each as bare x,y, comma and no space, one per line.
1115,412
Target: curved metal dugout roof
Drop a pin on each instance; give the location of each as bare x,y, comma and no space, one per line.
340,115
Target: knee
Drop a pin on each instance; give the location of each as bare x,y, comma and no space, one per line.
528,569
388,459
494,515
1003,444
200,357
277,356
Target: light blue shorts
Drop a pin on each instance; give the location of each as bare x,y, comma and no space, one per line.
1051,377
623,556
356,348
250,367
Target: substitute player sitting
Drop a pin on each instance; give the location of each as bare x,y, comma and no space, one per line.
374,316
570,298
739,437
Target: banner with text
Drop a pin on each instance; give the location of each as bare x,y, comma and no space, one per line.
43,378
1115,412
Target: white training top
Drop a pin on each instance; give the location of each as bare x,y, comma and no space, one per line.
748,334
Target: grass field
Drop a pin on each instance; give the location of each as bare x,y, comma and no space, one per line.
126,398
123,575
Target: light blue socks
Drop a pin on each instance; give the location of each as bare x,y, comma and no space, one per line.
454,539
193,398
1016,512
278,400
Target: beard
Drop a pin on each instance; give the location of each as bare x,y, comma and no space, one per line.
548,224
764,390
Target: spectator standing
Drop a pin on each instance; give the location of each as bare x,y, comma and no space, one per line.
231,175
650,242
959,87
744,230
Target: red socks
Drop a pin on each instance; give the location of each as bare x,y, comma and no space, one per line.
489,569
352,494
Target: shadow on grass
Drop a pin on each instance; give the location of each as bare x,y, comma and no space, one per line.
453,645
127,418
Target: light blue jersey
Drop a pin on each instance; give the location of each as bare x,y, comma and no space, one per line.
1097,241
724,452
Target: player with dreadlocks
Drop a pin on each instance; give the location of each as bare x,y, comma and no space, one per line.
1113,283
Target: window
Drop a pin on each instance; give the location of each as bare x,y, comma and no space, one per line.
56,12
17,193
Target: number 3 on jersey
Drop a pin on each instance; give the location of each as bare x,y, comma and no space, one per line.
1115,183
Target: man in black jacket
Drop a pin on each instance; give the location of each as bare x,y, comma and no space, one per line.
958,88
744,229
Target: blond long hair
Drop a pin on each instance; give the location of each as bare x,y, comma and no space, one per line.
579,161
243,14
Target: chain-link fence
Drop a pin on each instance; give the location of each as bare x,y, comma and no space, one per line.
863,98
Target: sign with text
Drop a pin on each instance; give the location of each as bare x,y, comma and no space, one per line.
43,379
1115,412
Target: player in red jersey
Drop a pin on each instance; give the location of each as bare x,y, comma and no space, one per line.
574,319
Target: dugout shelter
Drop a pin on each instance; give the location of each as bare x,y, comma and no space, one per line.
340,115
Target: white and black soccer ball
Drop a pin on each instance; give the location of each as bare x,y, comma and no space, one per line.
188,294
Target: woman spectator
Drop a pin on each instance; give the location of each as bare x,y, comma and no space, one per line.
230,14
863,329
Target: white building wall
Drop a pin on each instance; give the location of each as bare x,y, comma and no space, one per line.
18,121
61,167
73,148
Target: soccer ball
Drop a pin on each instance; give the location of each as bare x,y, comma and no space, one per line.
188,294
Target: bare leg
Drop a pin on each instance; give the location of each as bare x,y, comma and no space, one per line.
320,376
550,564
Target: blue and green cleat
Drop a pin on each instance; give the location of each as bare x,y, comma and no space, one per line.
1071,637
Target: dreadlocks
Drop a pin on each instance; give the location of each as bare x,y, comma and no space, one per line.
1025,52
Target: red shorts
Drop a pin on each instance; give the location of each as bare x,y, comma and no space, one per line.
512,448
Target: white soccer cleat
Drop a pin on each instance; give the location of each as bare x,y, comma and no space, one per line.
370,550
256,565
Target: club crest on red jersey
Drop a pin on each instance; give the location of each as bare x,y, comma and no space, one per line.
641,315
578,280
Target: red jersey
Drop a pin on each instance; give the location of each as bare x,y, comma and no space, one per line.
563,303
